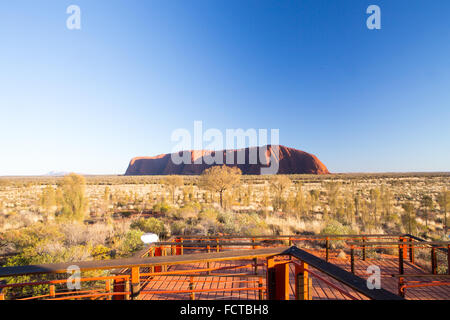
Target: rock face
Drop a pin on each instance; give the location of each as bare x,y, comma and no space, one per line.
290,161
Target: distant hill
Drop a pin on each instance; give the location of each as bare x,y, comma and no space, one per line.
291,161
56,174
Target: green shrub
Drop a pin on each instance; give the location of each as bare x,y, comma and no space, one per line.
71,197
132,242
161,207
242,224
251,225
30,236
177,227
209,214
334,227
151,225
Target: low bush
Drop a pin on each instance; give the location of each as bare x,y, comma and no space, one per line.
150,225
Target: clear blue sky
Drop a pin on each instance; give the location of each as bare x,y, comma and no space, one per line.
89,100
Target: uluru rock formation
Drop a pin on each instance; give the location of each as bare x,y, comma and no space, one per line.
289,160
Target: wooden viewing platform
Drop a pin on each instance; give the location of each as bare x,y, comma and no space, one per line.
156,289
241,268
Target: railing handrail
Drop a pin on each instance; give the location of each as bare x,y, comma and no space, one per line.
356,283
427,243
139,262
205,244
274,237
419,275
422,240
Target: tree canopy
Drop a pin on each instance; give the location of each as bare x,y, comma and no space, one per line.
220,178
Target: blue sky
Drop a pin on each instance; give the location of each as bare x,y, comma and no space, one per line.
89,100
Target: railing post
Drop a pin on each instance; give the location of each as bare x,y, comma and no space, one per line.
448,259
253,242
157,253
135,282
290,242
52,291
179,250
255,265
208,264
364,248
352,258
433,260
401,290
277,280
152,254
411,250
405,249
108,288
401,250
327,248
191,287
217,246
260,291
164,254
302,282
127,289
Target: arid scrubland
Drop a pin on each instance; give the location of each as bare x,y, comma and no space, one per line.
73,218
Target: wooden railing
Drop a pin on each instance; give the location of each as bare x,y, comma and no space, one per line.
420,281
126,285
129,285
406,243
405,248
277,289
324,240
160,257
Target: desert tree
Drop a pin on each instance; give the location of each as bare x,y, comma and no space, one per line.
357,202
408,217
265,201
238,194
443,200
427,205
340,210
333,190
375,196
190,193
349,206
312,200
106,199
363,208
227,199
248,195
172,183
299,202
386,202
279,184
48,198
315,194
72,197
289,204
219,179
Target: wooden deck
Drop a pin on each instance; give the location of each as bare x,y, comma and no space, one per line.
218,286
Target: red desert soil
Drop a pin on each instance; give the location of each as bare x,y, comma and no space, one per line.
291,161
